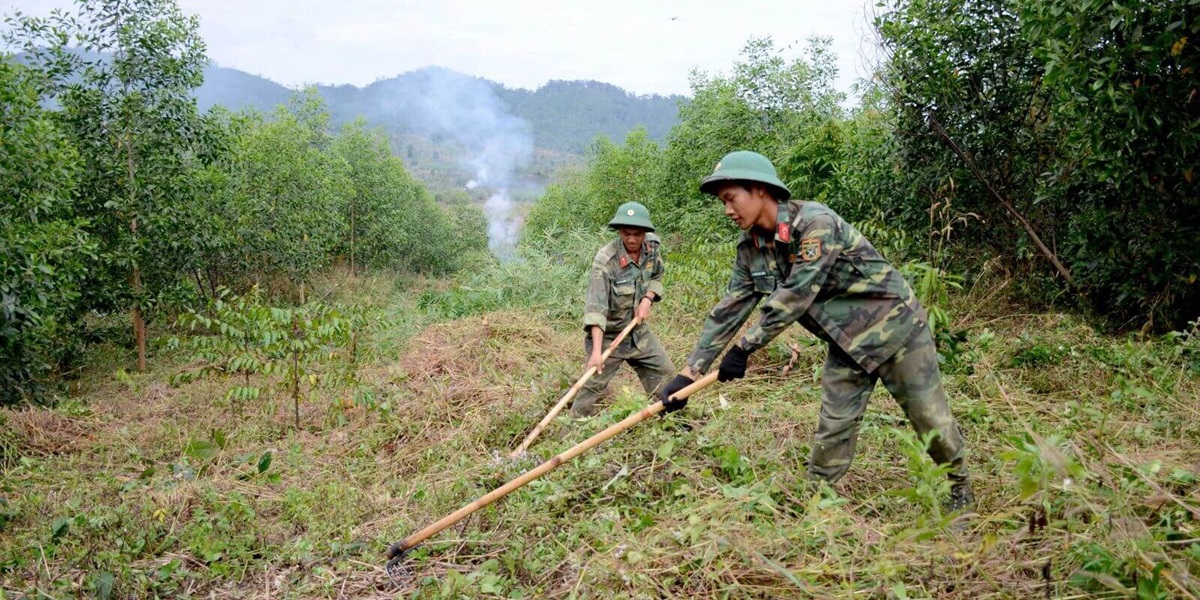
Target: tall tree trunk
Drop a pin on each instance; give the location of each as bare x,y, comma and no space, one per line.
296,370
212,282
199,283
139,323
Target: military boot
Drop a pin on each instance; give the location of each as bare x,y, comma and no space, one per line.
962,499
583,413
583,409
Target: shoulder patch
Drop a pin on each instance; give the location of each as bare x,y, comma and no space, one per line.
810,249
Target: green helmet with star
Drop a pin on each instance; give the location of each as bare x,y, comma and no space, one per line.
632,214
746,166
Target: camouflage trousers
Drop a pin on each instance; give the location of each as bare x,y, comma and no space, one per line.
642,350
913,379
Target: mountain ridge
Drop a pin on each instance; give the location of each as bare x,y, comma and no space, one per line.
563,115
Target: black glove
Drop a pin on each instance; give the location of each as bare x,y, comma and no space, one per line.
733,366
675,385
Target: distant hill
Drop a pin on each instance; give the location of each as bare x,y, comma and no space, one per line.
567,115
453,129
564,116
236,89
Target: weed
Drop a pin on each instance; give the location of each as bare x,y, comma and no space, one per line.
1033,353
932,287
9,445
1187,345
246,337
929,486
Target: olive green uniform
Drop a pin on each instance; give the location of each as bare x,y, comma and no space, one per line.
820,271
615,287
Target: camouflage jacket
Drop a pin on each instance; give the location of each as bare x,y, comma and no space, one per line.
818,270
616,284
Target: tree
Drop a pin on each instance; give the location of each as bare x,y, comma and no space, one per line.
769,104
621,173
1123,79
561,208
785,108
45,251
123,72
388,216
280,196
1067,127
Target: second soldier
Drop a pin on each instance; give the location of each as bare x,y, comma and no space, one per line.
625,281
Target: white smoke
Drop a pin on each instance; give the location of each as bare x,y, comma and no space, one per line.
467,110
502,228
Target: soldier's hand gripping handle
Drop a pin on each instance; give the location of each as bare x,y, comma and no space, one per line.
678,383
733,366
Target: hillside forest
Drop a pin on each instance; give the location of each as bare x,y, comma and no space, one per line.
250,336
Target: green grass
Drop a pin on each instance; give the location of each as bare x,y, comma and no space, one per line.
1083,447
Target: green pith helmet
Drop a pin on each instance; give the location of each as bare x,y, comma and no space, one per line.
632,214
745,166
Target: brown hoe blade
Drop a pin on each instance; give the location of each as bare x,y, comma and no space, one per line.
399,550
573,391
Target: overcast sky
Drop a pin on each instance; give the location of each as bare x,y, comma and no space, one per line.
643,46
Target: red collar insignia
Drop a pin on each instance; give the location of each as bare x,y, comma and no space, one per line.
784,232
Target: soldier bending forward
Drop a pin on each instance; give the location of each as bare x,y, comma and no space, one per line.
814,268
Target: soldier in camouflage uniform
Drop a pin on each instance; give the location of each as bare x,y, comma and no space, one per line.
813,267
626,279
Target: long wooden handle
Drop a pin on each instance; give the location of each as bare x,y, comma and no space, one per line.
411,541
573,391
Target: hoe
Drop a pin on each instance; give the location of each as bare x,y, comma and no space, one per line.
398,551
573,391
